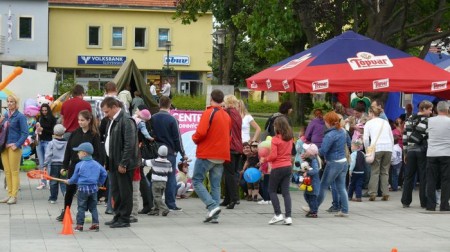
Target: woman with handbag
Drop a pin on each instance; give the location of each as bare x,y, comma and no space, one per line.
378,142
15,126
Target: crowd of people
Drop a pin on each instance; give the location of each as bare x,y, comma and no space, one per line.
343,150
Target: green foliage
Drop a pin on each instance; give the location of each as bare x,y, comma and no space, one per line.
94,92
185,102
262,107
66,85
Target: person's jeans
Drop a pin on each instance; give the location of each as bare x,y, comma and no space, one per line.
40,151
334,172
416,161
109,207
87,201
55,169
203,166
395,172
229,173
11,164
265,187
336,203
356,185
171,185
311,199
280,177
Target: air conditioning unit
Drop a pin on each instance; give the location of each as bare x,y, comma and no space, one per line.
2,44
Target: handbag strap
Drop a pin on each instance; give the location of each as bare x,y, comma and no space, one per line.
379,133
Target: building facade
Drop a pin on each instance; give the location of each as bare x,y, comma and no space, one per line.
89,41
24,33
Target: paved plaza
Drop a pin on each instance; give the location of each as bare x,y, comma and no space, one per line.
372,226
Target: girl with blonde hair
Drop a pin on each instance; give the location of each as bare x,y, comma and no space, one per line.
247,121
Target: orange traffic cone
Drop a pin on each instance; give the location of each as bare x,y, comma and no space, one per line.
67,222
394,250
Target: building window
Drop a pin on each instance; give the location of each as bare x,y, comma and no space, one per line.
94,37
118,36
140,37
163,36
25,28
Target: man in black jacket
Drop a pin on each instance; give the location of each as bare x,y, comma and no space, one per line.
122,152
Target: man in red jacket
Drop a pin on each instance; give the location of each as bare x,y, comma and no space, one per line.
213,149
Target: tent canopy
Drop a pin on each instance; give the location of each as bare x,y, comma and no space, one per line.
129,74
352,62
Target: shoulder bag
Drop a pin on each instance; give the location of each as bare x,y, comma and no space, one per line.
370,151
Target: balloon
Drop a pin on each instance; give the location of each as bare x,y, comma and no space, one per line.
26,151
263,152
252,175
16,72
28,165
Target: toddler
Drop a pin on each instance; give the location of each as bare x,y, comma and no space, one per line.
183,181
252,161
310,167
160,167
140,117
356,171
396,163
88,175
54,156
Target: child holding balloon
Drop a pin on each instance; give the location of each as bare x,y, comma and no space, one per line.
281,169
252,161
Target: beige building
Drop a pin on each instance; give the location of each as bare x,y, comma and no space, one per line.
90,39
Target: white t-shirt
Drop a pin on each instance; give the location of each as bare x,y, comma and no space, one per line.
380,128
246,127
153,90
166,89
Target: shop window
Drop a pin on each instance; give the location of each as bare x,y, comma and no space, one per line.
94,36
118,34
140,37
25,28
163,37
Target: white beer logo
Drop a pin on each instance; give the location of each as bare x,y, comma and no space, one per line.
365,60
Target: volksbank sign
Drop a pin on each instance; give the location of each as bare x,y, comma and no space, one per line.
101,60
177,60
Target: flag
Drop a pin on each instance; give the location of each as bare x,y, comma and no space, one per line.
10,25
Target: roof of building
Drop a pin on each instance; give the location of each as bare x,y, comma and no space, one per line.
116,3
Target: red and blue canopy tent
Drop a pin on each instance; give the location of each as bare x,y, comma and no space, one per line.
352,62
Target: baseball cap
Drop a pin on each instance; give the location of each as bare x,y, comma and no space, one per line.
86,147
162,151
59,130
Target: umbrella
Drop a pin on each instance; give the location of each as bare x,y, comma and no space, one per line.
351,62
444,65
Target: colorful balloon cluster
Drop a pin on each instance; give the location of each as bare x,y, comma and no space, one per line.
264,147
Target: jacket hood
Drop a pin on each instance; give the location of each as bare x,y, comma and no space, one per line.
59,144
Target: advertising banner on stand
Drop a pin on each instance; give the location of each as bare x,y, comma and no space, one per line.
188,121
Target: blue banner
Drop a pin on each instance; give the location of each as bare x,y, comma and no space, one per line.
101,60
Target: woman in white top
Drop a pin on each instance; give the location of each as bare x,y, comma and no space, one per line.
378,131
247,121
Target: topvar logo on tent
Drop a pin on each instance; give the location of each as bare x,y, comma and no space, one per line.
286,84
295,62
378,84
320,84
438,85
365,60
254,85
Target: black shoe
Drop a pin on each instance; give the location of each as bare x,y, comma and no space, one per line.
224,203
153,213
231,205
119,224
165,213
178,209
431,209
144,211
61,216
237,203
109,212
109,223
133,219
405,206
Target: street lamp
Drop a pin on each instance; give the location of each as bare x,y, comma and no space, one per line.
168,46
219,35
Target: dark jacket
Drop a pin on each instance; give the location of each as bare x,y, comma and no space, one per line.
166,131
76,138
47,123
123,143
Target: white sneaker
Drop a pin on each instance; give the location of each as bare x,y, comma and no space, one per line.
276,219
211,214
41,186
306,209
52,202
263,202
287,221
341,214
